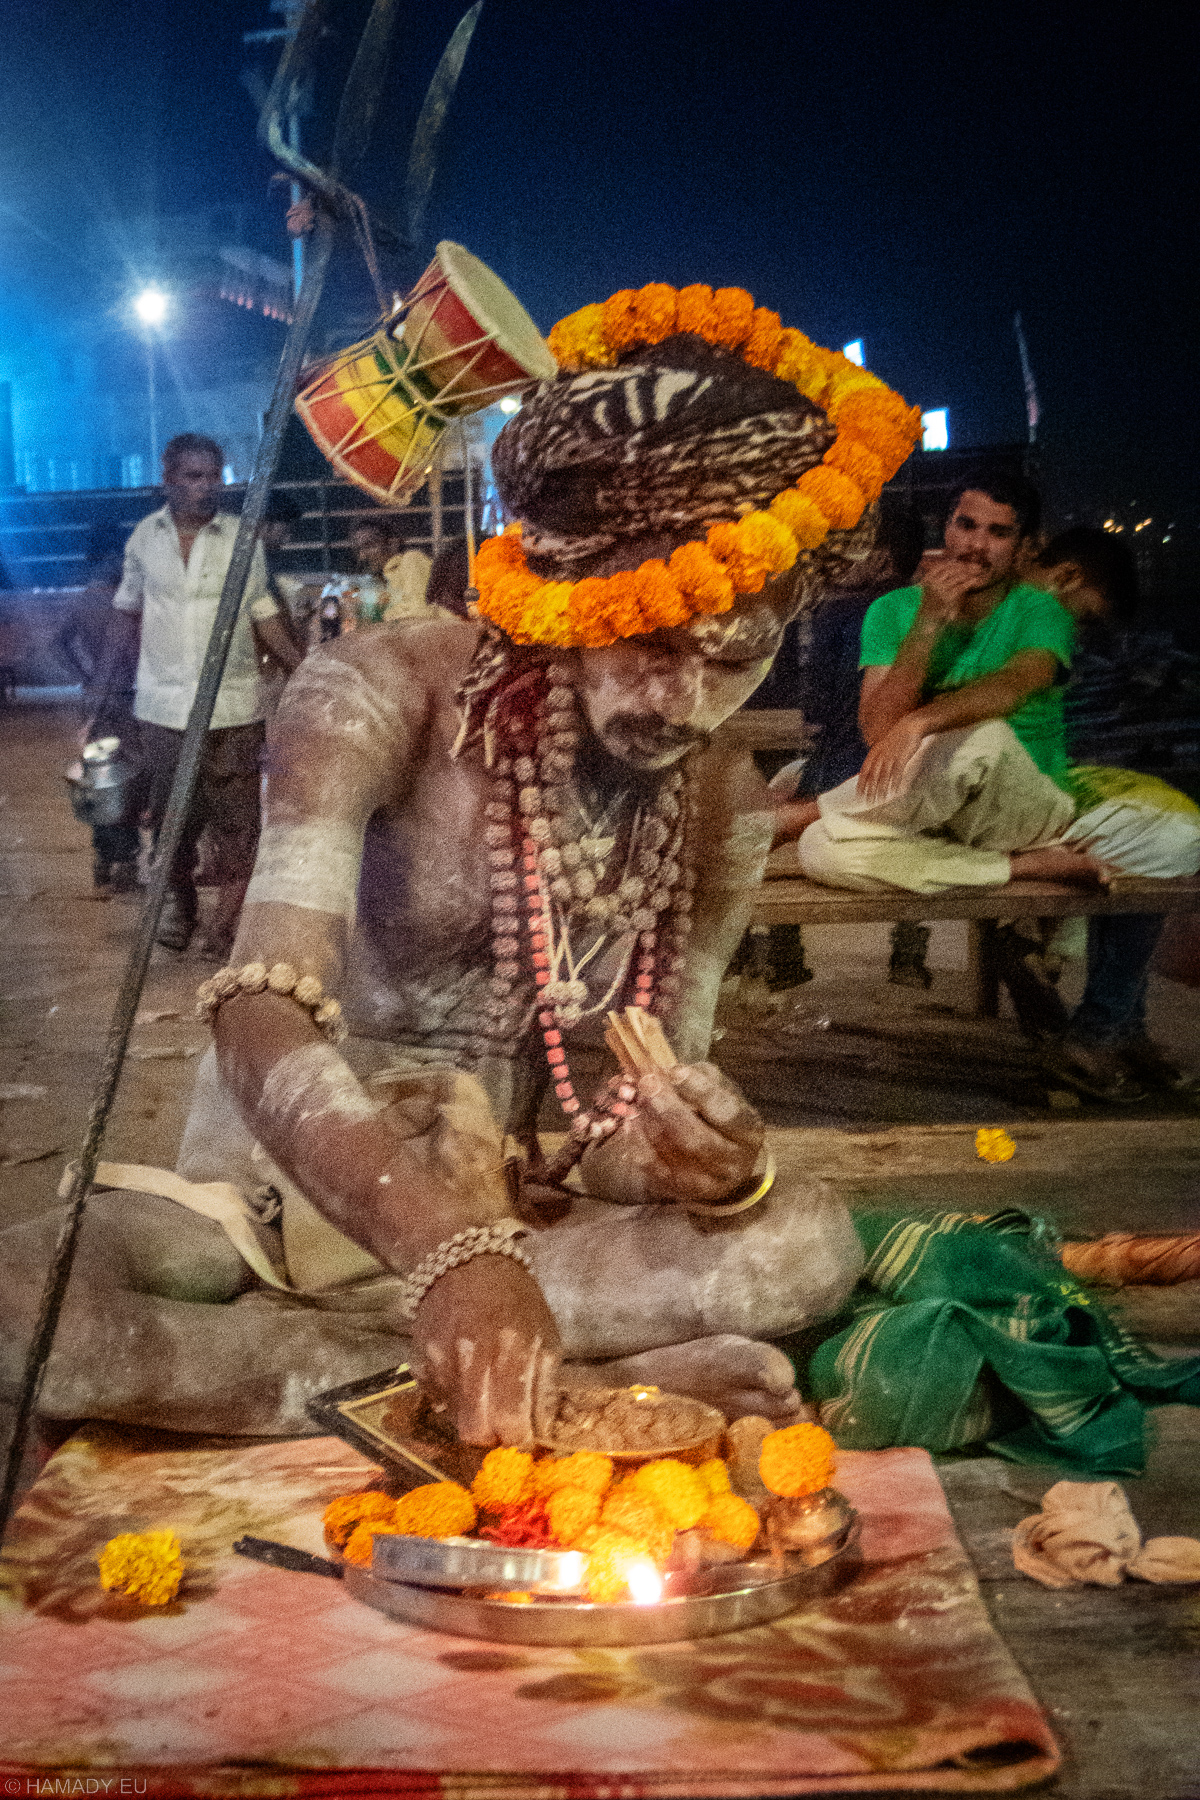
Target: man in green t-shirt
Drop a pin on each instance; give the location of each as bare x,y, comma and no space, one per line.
967,782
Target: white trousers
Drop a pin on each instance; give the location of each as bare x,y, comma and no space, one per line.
969,799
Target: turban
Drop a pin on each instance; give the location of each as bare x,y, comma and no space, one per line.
682,434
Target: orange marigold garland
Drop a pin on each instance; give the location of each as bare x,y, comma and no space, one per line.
876,431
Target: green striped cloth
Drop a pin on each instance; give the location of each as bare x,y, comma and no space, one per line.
967,1330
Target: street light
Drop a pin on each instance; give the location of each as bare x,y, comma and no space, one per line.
152,307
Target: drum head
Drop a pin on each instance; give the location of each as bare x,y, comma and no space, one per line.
496,310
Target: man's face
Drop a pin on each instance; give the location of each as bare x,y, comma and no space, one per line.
1072,589
651,699
192,483
986,535
371,548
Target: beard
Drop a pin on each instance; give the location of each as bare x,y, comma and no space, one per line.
647,742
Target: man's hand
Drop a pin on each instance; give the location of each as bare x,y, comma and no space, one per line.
694,1138
945,581
882,774
486,1348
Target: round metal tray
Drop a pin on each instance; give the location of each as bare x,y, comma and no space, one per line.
730,1598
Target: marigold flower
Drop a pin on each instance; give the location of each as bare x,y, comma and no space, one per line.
607,1574
578,341
439,1509
505,1477
800,361
850,456
675,1489
994,1145
359,1546
765,540
805,520
861,412
659,600
888,445
571,1511
587,1469
146,1565
731,1520
843,382
620,320
765,341
733,316
638,1515
700,578
349,1510
695,311
747,575
715,1475
797,1460
655,312
835,494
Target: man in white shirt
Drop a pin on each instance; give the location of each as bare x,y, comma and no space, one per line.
175,567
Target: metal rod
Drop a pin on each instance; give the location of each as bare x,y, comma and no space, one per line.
125,1008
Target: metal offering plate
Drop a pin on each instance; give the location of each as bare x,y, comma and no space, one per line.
463,1562
730,1597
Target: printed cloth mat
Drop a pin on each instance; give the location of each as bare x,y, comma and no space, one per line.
260,1681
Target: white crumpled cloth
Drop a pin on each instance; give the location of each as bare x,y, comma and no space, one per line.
1085,1532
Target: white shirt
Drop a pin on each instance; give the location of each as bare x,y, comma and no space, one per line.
178,606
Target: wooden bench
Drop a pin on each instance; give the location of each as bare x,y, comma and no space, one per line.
789,899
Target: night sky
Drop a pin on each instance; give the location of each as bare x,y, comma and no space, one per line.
908,175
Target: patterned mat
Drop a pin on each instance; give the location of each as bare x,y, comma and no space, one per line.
258,1681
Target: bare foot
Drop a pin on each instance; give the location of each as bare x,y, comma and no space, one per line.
791,818
1059,862
735,1374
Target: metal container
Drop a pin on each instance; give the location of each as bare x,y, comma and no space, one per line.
99,784
461,1562
731,1598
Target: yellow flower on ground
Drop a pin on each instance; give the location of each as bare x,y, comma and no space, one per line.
732,1520
505,1478
797,1460
993,1144
675,1489
439,1509
146,1565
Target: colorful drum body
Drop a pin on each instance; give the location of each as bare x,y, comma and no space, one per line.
458,342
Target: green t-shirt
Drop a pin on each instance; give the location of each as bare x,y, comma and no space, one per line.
1026,619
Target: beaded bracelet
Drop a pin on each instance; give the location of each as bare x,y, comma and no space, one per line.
281,979
498,1239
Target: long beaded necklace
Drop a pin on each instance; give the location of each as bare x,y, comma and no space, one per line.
552,883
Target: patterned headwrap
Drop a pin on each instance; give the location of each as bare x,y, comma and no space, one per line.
680,435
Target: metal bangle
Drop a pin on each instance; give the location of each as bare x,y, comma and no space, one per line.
762,1185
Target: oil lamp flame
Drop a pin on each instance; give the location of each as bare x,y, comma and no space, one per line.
645,1583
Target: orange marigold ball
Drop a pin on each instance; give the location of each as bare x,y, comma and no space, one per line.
675,1489
342,1515
765,340
439,1509
639,1517
849,456
572,1511
766,541
806,522
655,312
587,1469
701,578
731,1520
607,1574
696,312
797,1460
578,342
883,441
733,316
715,1475
800,361
834,494
359,1545
747,575
505,1478
620,319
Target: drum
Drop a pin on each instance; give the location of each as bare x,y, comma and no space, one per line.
456,343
